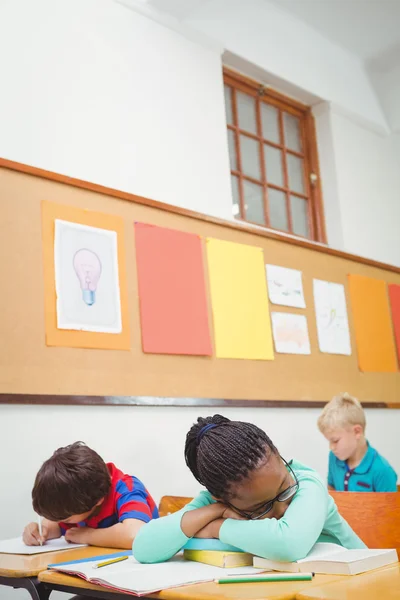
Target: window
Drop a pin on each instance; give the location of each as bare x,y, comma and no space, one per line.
273,159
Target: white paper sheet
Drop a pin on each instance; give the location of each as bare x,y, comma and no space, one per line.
142,579
331,315
285,286
290,333
86,278
17,546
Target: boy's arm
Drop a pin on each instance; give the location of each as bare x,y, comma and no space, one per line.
330,472
120,535
162,538
385,480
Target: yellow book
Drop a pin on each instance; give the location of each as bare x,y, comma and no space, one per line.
220,558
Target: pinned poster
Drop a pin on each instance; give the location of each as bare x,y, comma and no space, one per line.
290,333
172,292
239,301
372,323
394,296
285,286
84,277
331,316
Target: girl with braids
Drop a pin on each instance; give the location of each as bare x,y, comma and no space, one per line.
255,500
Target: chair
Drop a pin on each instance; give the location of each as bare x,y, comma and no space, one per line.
171,504
374,516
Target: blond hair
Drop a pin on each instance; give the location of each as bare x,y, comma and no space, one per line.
341,411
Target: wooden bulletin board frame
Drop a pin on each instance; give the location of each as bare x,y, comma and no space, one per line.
32,373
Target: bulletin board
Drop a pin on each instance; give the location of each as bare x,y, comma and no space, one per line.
30,371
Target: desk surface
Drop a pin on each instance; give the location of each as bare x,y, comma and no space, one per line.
379,584
205,591
30,565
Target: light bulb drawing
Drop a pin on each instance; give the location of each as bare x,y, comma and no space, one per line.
88,269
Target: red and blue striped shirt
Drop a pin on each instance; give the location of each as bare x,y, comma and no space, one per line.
127,499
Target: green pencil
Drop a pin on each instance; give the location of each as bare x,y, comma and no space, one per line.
270,577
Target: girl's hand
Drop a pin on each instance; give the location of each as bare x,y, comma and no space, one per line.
211,530
230,513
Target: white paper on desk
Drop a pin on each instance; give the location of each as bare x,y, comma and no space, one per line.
142,579
331,314
17,546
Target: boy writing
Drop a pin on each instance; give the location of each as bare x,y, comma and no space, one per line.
88,501
354,466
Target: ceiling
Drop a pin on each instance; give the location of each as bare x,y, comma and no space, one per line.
370,29
367,28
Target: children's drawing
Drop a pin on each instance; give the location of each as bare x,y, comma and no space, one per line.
86,277
331,315
290,333
87,267
285,286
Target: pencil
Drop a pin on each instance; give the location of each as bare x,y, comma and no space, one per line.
40,529
110,562
269,577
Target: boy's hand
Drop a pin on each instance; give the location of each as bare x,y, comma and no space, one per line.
31,536
211,530
78,535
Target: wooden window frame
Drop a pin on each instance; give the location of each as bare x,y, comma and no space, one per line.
313,192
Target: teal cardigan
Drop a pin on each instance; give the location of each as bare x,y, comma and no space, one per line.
311,517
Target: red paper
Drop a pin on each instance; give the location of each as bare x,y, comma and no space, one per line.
394,295
172,293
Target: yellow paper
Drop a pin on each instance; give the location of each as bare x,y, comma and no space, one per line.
372,322
239,299
73,338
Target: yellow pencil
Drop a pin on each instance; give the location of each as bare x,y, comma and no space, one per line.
110,562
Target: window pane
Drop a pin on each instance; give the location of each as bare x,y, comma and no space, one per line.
299,208
277,209
292,132
270,123
273,165
232,150
228,104
253,201
295,172
246,112
249,152
235,196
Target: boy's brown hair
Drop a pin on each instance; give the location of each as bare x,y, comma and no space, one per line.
70,482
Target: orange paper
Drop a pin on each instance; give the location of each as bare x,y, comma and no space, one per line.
73,338
373,328
394,295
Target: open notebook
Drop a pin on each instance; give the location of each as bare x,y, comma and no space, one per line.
137,579
17,546
334,559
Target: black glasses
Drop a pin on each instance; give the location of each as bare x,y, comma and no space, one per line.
267,507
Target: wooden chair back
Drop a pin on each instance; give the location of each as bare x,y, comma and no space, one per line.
374,516
171,504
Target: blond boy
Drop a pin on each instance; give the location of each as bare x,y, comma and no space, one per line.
354,466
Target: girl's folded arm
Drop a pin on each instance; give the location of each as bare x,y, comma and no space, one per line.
161,538
289,538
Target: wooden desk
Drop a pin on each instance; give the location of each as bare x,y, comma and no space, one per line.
201,591
382,584
21,570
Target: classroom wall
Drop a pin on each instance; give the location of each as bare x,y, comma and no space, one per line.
92,90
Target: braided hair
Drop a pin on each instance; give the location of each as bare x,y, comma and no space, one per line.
221,452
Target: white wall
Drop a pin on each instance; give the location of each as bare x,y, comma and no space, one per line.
92,90
368,183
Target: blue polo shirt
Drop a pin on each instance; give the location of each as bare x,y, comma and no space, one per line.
373,474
